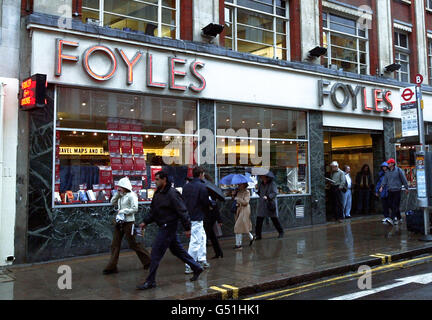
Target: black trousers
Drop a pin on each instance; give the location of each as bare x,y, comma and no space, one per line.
385,206
259,224
394,198
337,202
167,238
208,227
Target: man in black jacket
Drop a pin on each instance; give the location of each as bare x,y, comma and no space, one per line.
166,209
197,202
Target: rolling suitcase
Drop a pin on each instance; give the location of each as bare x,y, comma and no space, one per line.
415,221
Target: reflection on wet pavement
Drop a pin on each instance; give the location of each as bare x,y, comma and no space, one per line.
300,251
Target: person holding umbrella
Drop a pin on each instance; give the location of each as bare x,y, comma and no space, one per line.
267,204
243,223
241,197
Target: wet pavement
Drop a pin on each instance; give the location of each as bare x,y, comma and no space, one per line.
269,263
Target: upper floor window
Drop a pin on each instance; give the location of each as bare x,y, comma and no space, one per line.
153,17
429,4
257,26
402,55
347,44
430,60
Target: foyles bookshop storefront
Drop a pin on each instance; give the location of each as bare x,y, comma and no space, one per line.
118,107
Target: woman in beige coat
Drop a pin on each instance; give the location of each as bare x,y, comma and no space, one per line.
243,222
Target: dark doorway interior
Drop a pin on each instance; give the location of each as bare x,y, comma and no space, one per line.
354,149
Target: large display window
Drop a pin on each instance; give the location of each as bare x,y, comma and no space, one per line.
101,137
239,150
405,156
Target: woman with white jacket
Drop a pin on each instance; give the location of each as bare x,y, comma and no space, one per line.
127,203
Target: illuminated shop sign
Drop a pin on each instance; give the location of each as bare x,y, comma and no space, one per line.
347,94
83,151
32,92
177,67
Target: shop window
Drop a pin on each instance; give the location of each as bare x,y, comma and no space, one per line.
257,27
80,108
347,44
286,146
152,17
105,146
402,55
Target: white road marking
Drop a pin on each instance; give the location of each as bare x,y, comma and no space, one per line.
421,278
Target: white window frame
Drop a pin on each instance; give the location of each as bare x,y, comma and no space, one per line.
402,50
234,7
430,60
101,13
329,32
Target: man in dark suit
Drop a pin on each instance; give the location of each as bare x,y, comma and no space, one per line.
166,208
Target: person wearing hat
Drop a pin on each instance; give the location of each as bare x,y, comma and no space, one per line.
127,202
384,194
394,179
267,192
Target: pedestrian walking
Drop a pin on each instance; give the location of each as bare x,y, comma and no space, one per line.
210,219
127,202
197,202
243,222
338,187
383,196
347,196
267,205
363,188
166,208
394,179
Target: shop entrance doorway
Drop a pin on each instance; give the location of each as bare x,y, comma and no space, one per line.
353,149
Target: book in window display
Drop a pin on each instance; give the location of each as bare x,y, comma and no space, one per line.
124,125
126,144
113,143
127,162
112,124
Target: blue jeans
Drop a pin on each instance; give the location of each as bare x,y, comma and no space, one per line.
347,203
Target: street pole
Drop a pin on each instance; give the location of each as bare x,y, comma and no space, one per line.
423,202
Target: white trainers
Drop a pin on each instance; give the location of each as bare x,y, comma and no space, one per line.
389,221
395,221
188,270
384,220
204,264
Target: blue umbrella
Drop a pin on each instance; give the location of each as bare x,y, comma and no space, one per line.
235,179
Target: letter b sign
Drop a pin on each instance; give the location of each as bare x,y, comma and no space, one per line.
418,79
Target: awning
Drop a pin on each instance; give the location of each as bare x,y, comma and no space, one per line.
411,140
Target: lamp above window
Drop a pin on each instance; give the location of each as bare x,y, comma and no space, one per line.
317,52
392,67
212,29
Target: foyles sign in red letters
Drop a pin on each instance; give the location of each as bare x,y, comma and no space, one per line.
380,99
176,66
